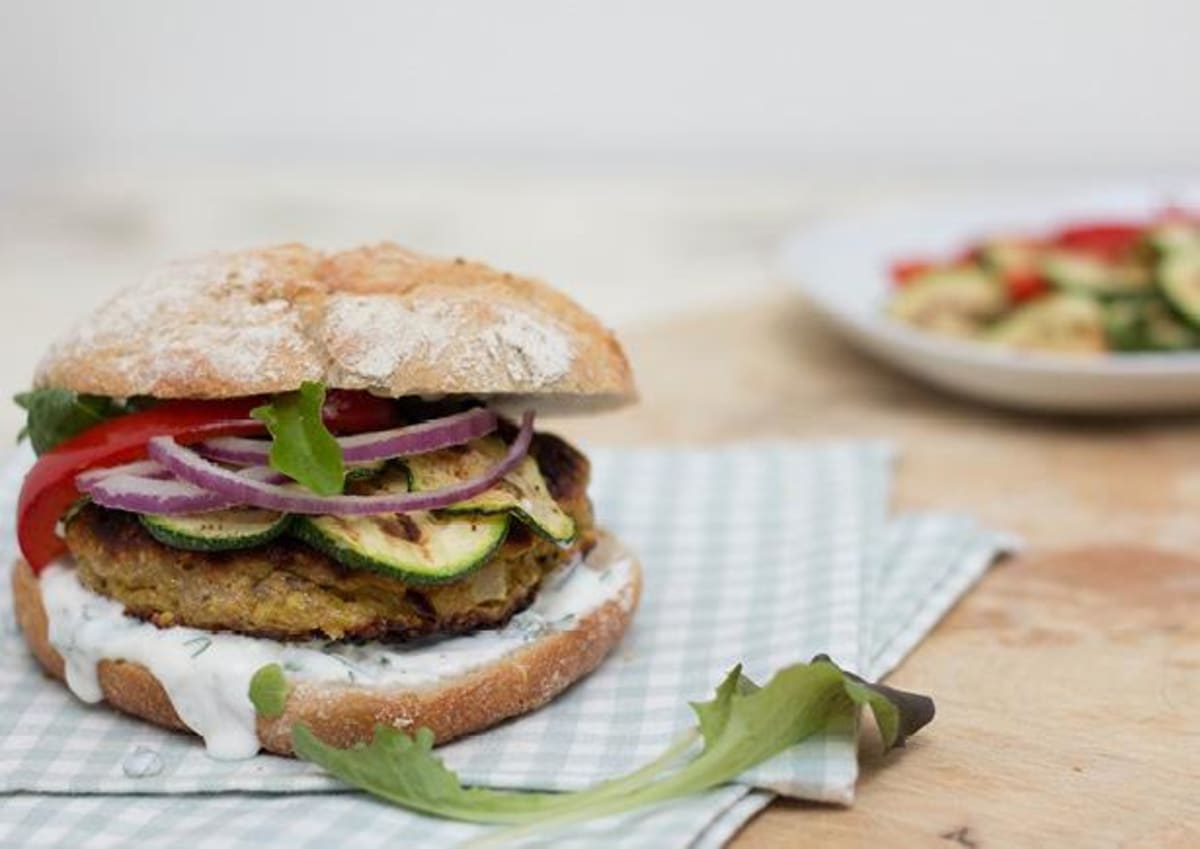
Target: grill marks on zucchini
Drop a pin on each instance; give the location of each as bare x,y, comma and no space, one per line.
523,493
419,547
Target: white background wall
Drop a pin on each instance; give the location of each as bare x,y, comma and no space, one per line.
920,85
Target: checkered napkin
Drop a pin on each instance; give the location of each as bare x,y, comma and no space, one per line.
763,554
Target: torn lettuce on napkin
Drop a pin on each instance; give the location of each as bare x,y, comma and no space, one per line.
741,726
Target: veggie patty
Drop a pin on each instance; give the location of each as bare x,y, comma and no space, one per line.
285,589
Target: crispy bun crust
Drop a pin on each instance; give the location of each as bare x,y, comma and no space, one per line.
379,318
341,715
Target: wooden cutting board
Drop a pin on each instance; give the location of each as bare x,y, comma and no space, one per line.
1068,681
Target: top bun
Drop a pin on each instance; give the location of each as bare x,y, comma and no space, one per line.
379,318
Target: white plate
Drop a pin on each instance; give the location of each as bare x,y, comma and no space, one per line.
842,266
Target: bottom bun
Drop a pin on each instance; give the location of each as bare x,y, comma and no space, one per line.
342,715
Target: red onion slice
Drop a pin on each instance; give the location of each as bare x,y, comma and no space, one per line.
152,495
153,469
194,469
237,450
140,469
432,435
147,487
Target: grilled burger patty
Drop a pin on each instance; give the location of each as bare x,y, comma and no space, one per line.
286,590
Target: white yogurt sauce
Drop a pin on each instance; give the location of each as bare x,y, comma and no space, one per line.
207,675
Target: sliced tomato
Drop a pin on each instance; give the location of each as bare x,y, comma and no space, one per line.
49,488
906,270
349,411
1109,239
1025,285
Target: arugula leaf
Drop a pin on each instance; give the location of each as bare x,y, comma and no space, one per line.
56,415
269,691
742,726
303,448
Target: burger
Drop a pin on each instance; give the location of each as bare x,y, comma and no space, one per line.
326,467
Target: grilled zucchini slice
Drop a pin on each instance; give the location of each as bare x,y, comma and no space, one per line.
218,530
1059,323
1164,330
523,492
1125,323
1168,238
953,301
1080,274
1010,256
1179,281
418,547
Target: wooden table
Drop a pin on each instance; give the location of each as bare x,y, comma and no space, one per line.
1068,681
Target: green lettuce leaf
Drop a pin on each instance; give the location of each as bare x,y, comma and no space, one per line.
55,415
742,726
303,448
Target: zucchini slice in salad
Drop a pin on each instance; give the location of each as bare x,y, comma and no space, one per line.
218,530
1125,323
418,548
1010,256
1179,281
1060,323
1164,330
1081,274
1168,238
954,301
522,492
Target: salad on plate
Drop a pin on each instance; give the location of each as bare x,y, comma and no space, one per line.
1086,288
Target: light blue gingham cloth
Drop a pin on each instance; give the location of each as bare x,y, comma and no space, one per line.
765,554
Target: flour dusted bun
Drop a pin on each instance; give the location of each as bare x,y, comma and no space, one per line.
341,714
379,318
